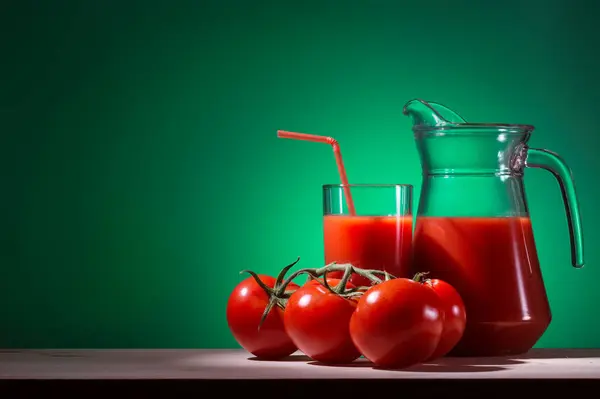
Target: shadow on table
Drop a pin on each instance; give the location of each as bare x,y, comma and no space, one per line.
456,364
291,358
446,365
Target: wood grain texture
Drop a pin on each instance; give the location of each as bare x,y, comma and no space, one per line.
206,364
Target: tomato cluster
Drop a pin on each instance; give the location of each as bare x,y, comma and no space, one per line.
394,323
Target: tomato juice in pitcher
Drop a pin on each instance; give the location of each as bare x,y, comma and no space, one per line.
473,228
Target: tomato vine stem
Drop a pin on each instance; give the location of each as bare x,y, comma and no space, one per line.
420,277
279,293
342,284
348,268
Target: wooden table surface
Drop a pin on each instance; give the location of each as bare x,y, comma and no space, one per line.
238,364
146,372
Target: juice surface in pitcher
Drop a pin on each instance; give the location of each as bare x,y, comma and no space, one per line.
493,263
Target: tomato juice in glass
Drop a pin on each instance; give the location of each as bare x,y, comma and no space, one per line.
378,236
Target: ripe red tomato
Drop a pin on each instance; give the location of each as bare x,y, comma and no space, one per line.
455,317
245,308
317,322
397,323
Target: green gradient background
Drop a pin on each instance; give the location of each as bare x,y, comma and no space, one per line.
141,168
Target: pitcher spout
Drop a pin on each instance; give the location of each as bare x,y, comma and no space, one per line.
427,114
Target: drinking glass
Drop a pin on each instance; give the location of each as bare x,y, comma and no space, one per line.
378,236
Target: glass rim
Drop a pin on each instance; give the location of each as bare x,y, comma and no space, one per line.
373,185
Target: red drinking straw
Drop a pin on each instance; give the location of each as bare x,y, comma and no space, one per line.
338,159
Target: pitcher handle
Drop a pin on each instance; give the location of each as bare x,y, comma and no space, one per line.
552,162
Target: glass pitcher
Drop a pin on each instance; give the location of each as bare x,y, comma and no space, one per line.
473,228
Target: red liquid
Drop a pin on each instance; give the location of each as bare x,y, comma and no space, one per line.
369,242
493,263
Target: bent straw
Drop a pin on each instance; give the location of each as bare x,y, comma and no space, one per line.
337,152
